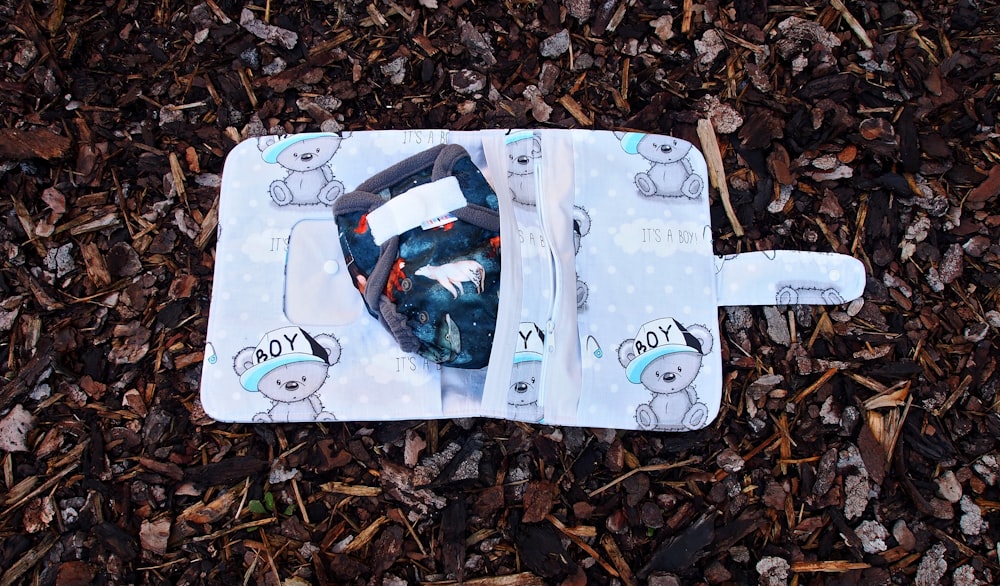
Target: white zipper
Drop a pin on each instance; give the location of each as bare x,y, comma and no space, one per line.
554,283
494,400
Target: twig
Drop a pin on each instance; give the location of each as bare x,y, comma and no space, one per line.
582,545
270,558
72,461
897,429
831,566
626,64
241,527
522,579
962,547
245,80
223,18
954,396
576,111
24,217
243,499
251,568
168,564
400,517
298,499
649,468
852,22
811,388
688,12
746,457
618,16
713,156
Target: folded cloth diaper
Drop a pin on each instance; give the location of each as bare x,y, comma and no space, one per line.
422,244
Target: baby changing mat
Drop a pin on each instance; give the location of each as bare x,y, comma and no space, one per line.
556,276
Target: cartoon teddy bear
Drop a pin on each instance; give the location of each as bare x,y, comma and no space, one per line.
807,293
665,357
522,150
305,156
522,397
671,173
289,367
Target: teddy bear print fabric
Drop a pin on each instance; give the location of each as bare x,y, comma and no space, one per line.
280,313
306,158
651,299
361,277
289,366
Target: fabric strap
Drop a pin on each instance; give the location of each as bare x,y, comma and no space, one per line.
411,209
788,277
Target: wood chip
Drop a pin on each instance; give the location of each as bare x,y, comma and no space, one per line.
19,145
366,535
28,560
352,490
829,567
716,170
988,190
576,110
97,269
615,554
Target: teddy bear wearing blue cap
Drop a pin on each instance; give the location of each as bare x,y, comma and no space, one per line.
671,173
665,357
306,157
288,366
522,397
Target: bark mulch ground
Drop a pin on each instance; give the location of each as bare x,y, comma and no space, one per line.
856,444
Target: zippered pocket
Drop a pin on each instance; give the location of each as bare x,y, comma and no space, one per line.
561,368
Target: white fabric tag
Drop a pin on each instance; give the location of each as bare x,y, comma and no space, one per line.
411,209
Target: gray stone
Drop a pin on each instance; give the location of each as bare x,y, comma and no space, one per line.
555,45
579,9
932,567
904,537
872,535
773,571
971,522
478,46
583,61
777,326
948,487
395,70
664,580
467,81
730,460
966,576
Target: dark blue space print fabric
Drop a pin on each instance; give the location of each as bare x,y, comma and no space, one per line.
434,288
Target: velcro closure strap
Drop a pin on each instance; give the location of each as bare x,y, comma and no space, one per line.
411,209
